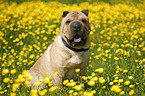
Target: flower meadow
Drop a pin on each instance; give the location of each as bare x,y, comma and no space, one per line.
117,53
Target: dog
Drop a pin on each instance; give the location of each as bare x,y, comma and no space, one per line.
70,50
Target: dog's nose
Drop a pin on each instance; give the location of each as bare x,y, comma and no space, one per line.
76,26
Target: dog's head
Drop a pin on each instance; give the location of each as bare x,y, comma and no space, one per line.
75,28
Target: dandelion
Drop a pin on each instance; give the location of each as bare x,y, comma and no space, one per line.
15,86
125,71
88,94
65,82
43,92
71,84
101,80
115,88
44,38
120,80
80,92
52,89
34,92
56,73
131,86
77,70
29,78
91,83
13,71
75,93
6,80
116,58
71,91
131,92
12,94
130,77
111,83
103,87
94,79
78,87
0,88
47,73
127,82
27,83
38,83
101,70
46,80
122,92
5,71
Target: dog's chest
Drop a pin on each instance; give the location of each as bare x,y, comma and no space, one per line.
74,59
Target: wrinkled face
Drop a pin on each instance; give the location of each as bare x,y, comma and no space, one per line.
75,27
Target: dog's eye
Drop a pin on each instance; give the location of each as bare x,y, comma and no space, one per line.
83,20
67,22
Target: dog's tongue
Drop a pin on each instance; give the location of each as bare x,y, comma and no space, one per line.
77,40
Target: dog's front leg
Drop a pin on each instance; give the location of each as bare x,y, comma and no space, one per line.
57,80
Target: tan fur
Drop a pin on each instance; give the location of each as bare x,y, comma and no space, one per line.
58,58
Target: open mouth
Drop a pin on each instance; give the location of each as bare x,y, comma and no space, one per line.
77,41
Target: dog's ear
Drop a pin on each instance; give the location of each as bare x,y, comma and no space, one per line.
86,12
65,13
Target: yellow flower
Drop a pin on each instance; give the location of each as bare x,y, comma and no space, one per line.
5,71
47,73
116,58
130,77
94,79
125,71
38,83
103,87
34,92
94,91
77,70
71,84
27,83
88,94
120,80
29,78
65,82
102,80
131,86
31,56
122,92
12,94
6,80
46,80
41,93
115,88
0,88
75,93
111,83
13,71
127,82
15,86
52,89
131,92
56,73
44,38
85,78
80,92
71,91
101,70
91,83
78,87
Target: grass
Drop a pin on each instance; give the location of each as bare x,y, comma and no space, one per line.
117,53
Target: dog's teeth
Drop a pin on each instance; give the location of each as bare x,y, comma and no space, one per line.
77,40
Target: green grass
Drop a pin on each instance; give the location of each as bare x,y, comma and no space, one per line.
117,46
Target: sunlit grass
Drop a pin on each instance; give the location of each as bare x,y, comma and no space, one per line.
117,53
